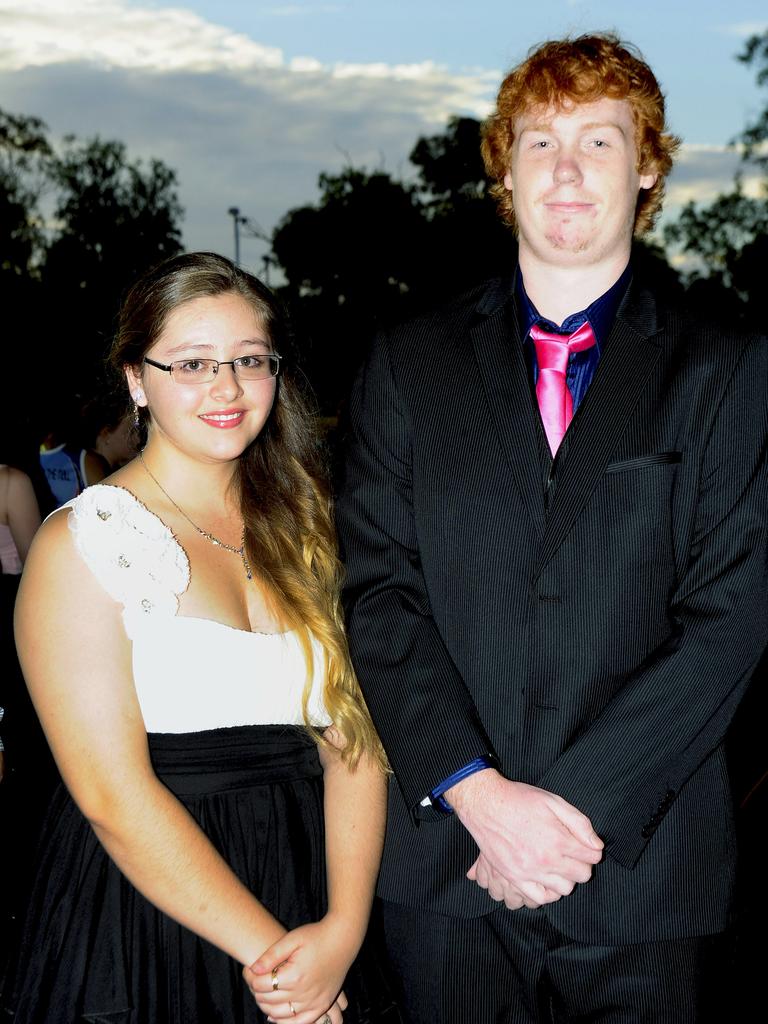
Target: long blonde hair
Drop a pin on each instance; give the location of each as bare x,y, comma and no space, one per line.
283,487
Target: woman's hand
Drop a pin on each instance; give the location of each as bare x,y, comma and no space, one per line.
299,978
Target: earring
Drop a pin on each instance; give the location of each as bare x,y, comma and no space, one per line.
137,397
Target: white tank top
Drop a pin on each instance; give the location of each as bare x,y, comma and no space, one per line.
190,673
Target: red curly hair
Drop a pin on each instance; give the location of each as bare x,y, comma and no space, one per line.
582,70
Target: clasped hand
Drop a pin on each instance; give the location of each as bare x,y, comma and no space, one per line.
534,846
309,965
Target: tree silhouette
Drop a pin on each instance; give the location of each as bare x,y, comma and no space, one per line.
450,164
351,263
755,135
115,218
61,285
24,156
374,251
467,240
726,239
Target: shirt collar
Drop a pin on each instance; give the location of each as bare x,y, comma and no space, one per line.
601,313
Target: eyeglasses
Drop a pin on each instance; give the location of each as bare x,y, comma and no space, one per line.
203,371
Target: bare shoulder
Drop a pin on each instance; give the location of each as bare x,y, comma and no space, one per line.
54,537
55,567
19,485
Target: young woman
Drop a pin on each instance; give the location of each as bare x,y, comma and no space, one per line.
179,631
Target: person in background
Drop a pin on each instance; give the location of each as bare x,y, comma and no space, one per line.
19,518
24,765
69,465
554,528
214,852
109,429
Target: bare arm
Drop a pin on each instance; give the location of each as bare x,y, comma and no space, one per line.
23,511
314,959
78,670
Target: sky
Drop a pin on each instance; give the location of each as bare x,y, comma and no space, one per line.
249,101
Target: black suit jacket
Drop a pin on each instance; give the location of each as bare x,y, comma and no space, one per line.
591,623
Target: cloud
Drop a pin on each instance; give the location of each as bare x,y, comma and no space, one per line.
241,125
702,172
305,64
112,34
301,10
745,28
255,140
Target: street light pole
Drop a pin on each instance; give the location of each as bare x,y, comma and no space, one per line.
234,212
250,227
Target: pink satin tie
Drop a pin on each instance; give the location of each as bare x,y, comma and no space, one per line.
555,401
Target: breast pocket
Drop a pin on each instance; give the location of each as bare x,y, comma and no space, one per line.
643,461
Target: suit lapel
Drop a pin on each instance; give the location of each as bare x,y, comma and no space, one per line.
630,356
499,354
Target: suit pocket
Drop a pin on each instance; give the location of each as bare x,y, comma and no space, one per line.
642,461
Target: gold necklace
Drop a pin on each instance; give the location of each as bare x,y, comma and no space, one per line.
203,533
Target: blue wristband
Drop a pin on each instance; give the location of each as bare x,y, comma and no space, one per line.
436,796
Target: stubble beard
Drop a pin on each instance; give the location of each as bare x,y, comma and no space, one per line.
561,244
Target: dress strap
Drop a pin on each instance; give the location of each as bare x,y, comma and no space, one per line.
130,551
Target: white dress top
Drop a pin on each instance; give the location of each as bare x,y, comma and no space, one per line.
190,673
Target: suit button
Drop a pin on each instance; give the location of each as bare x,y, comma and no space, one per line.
646,832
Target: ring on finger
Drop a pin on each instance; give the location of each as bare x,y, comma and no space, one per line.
275,982
293,1008
326,1020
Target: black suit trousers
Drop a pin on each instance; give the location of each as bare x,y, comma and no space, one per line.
514,967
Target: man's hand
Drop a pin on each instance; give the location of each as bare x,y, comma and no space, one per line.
534,846
502,890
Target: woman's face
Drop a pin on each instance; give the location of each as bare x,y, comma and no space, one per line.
215,421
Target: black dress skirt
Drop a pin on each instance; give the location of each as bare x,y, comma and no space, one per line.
93,949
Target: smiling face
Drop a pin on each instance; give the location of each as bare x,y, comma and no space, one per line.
574,182
216,421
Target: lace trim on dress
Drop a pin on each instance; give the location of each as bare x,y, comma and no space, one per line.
130,551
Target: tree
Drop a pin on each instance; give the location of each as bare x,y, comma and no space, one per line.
468,241
755,135
24,156
62,277
726,239
351,263
375,250
115,218
450,164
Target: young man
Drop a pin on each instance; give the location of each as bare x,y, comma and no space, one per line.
554,522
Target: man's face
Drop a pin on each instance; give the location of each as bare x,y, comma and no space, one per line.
574,181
